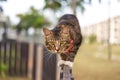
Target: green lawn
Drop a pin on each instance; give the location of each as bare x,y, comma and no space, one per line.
92,63
13,78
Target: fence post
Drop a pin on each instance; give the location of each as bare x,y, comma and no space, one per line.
30,60
39,61
66,73
58,69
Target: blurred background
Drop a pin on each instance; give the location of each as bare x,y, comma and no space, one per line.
21,23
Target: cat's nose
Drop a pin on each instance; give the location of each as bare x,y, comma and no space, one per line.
56,48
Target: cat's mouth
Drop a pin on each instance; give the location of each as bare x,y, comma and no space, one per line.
57,51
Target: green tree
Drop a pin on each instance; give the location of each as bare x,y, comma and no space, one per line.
73,4
32,19
53,4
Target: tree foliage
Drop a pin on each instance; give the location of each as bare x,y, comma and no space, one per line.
32,19
52,4
73,4
58,4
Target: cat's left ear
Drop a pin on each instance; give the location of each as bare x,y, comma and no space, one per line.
47,31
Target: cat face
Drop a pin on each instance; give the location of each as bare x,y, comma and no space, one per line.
57,43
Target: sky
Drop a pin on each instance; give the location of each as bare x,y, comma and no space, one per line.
98,12
13,7
94,13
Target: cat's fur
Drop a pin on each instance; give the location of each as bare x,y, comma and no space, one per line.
58,39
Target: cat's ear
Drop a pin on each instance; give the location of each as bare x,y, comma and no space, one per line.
65,30
47,31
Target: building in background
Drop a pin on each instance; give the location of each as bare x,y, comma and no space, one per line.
101,30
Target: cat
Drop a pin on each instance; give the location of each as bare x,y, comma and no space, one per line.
65,39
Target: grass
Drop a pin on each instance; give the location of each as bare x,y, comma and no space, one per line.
13,78
92,63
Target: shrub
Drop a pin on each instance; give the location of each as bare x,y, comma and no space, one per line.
3,68
92,38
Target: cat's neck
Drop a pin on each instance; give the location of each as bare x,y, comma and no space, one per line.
70,47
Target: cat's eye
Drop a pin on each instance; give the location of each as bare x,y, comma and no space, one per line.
66,35
51,40
63,42
61,38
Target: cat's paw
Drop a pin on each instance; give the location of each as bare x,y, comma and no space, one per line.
60,62
68,63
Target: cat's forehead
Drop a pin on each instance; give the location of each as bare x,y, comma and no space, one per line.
56,37
56,31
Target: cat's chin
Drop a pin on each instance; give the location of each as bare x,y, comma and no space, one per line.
54,52
67,63
58,52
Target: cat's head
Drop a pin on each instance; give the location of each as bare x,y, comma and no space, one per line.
57,41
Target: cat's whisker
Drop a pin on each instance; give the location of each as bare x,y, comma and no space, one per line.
52,59
45,55
49,57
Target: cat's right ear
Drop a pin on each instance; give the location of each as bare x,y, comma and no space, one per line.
47,31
